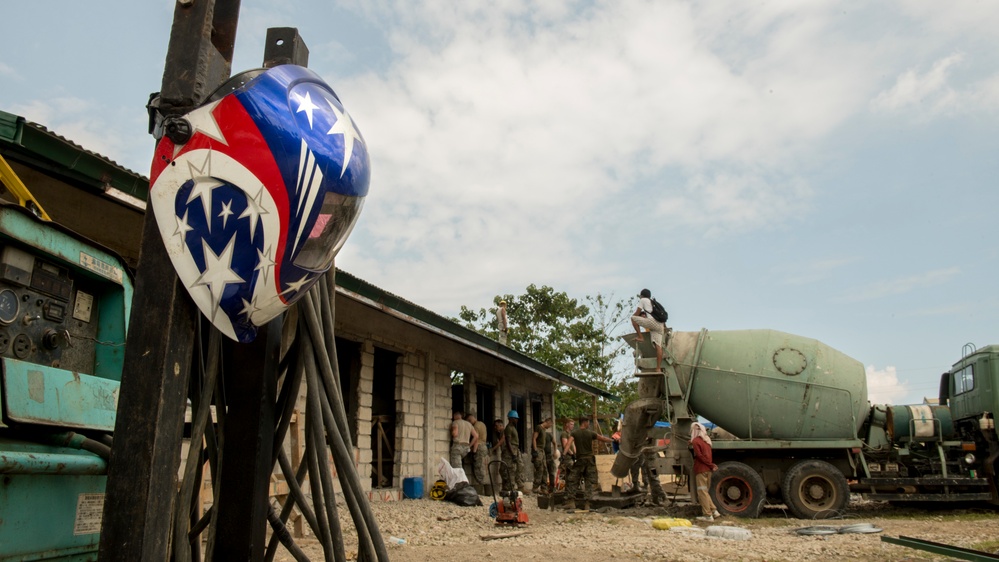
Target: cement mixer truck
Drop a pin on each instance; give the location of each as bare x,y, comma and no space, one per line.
795,425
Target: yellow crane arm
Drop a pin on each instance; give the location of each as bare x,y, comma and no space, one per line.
17,187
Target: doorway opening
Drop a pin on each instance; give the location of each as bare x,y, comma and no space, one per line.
383,418
485,409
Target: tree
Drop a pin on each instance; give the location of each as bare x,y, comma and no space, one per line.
557,330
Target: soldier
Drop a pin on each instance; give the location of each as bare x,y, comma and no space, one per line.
463,437
510,469
585,467
652,480
480,451
544,464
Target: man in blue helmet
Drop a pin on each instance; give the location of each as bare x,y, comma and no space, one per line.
511,469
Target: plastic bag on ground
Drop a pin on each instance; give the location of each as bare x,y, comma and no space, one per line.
464,495
451,475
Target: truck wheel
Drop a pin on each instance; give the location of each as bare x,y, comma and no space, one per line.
737,490
815,490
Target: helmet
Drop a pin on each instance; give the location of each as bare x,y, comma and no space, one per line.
256,196
438,490
513,414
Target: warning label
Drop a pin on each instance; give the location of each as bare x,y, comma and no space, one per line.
89,508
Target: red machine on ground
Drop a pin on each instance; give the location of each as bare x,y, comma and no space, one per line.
508,508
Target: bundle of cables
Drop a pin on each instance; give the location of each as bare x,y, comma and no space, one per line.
309,356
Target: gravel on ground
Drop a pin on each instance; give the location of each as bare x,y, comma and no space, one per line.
444,532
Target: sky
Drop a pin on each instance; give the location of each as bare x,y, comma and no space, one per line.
823,168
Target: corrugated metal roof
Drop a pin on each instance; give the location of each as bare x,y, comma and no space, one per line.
35,145
413,313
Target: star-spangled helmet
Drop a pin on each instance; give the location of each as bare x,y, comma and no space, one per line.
255,204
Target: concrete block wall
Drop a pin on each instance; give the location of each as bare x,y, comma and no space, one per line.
423,413
362,441
441,418
410,409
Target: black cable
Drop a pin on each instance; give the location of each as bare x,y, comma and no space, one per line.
370,542
281,532
201,395
334,414
311,454
296,497
329,494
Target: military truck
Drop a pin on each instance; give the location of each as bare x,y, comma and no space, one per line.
795,425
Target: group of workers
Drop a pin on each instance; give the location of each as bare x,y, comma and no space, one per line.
574,447
576,453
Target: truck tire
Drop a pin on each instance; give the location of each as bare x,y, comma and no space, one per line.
815,490
737,490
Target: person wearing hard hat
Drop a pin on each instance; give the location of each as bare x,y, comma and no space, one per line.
511,469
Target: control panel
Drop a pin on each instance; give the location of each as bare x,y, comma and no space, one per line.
48,314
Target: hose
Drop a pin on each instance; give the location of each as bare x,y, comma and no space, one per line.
326,478
311,358
201,397
316,487
335,417
343,461
297,497
281,532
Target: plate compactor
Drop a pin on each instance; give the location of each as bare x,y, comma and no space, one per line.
508,508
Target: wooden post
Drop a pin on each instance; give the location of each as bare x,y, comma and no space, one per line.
251,386
142,472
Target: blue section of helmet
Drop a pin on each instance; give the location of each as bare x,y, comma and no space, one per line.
271,100
214,232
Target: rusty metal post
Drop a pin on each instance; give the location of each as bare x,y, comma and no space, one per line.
142,473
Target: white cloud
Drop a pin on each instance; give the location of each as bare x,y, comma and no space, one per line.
930,92
725,204
883,386
524,135
902,285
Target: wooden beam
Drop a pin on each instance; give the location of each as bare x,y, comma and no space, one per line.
251,390
142,472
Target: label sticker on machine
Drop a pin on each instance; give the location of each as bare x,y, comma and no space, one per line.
89,508
100,267
83,307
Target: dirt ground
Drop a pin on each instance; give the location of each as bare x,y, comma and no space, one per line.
444,532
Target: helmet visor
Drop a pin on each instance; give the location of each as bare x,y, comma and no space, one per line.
334,222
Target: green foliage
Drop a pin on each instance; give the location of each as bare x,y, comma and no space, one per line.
574,338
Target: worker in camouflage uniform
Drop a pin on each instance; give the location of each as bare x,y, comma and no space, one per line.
585,467
479,456
541,452
657,496
511,469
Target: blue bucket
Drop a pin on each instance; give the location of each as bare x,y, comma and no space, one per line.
412,488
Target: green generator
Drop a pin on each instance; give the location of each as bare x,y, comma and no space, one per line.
64,309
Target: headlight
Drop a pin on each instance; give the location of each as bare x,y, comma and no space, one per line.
969,459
